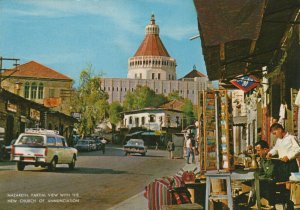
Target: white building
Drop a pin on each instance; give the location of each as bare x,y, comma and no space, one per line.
152,118
152,66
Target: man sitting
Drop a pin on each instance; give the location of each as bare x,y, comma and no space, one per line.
266,172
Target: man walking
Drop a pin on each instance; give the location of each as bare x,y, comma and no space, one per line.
189,149
171,148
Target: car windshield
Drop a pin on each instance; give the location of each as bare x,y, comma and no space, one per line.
137,142
31,140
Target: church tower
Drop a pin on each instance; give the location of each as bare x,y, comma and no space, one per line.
152,60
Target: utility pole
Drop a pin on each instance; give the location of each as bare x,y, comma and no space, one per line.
3,69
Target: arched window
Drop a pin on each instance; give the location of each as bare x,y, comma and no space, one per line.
33,90
26,90
41,91
130,120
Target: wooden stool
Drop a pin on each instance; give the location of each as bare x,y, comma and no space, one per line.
210,196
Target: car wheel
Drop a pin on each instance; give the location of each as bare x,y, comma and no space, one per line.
52,165
20,166
72,164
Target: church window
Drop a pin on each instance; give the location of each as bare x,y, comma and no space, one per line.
113,88
33,90
121,89
187,91
26,90
130,120
169,77
117,89
153,75
135,76
140,75
41,91
158,75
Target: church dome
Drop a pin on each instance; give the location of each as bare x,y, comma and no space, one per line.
152,60
152,45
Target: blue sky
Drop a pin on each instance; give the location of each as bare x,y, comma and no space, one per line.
68,35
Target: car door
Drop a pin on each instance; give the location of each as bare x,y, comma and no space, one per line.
67,151
60,149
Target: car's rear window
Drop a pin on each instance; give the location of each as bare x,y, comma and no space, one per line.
136,142
31,140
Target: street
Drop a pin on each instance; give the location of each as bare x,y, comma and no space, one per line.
99,181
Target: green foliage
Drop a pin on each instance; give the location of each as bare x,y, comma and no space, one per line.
90,101
115,112
187,111
174,96
143,97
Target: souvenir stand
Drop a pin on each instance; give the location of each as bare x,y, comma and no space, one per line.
216,148
216,131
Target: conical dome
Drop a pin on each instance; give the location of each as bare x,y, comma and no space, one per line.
152,60
152,45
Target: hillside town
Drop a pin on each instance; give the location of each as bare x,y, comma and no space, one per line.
224,139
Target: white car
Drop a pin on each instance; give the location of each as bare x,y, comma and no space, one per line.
44,148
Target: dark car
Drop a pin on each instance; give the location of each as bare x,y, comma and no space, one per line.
86,145
135,146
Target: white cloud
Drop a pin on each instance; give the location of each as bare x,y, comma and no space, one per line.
117,11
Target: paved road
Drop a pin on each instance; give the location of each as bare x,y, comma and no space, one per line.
99,181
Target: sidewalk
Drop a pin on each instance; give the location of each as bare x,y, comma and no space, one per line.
138,201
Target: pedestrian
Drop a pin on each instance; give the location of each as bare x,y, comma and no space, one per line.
171,148
156,145
189,149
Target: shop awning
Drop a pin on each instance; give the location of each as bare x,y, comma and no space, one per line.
240,37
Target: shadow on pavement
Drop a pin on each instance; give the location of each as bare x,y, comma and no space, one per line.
79,170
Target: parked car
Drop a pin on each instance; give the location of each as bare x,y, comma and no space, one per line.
135,146
40,147
86,145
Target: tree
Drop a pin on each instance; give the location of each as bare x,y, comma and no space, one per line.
143,97
188,112
90,101
115,113
174,96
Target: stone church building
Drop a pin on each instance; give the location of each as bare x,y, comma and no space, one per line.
152,66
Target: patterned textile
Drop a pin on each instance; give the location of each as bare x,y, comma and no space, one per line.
159,192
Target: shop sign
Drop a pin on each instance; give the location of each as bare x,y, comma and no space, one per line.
52,102
11,107
35,114
245,83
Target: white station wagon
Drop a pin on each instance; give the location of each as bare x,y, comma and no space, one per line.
45,148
